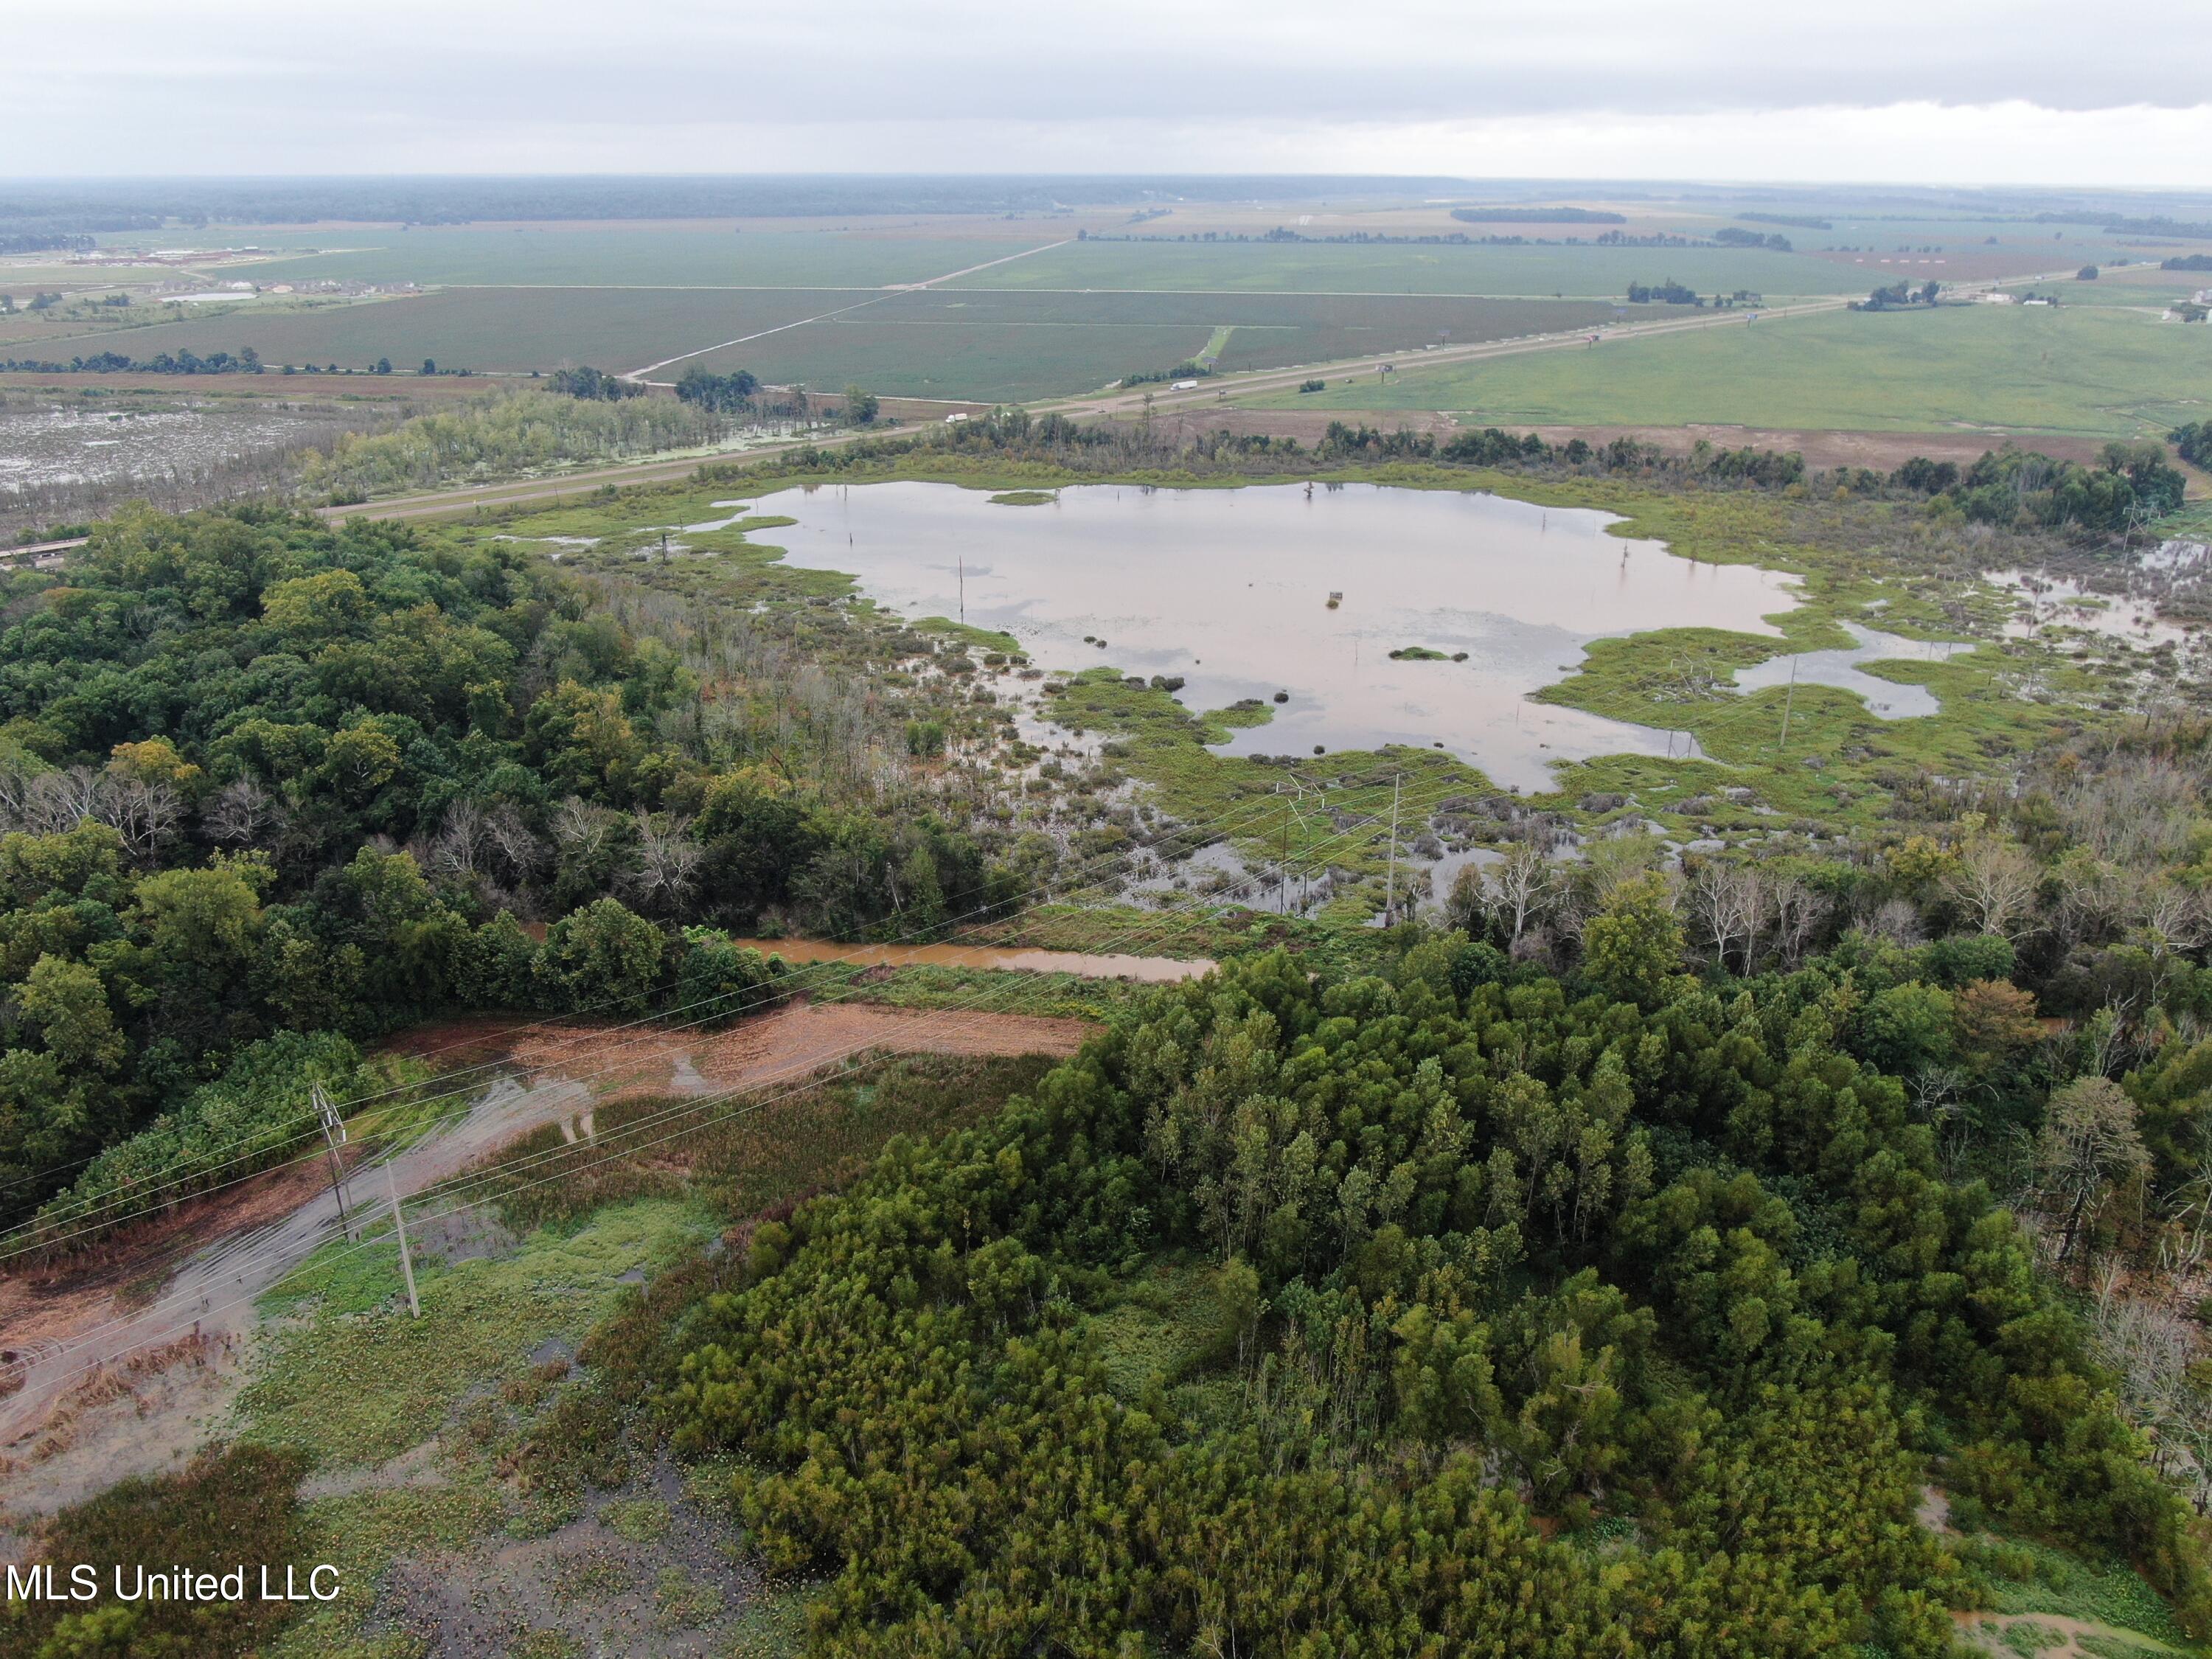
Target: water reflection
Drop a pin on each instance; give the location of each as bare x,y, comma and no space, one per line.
1887,700
1229,589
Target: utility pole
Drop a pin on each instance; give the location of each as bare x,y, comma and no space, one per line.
663,547
1390,892
963,590
1788,698
334,1134
399,1223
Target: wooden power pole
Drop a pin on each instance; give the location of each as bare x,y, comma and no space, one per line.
400,1226
1390,891
334,1135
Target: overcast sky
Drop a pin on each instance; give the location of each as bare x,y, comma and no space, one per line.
1997,91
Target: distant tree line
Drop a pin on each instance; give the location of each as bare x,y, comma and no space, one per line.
2188,262
1796,220
2193,442
1730,236
1189,370
1899,295
590,383
2131,482
42,241
725,394
1668,293
2009,488
248,362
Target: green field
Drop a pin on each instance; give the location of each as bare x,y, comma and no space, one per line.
483,328
2092,371
676,256
1265,331
1585,272
986,361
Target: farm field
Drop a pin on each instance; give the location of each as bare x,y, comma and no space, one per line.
2091,371
485,328
676,256
992,362
1266,329
1581,272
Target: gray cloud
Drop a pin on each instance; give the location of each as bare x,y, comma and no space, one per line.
301,87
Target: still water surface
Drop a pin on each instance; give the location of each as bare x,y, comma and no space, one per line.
1229,589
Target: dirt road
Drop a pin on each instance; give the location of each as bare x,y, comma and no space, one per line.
211,1293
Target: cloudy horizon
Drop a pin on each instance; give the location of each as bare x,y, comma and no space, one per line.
2034,95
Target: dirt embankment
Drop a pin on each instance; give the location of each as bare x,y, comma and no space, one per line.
182,1288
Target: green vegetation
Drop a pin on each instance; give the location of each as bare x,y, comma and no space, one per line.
190,803
2093,371
1608,1265
231,1507
675,256
506,435
1529,271
1641,1257
484,329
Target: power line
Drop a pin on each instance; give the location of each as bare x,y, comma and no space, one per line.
1045,893
658,1029
481,1177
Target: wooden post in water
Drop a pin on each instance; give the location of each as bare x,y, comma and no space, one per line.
1788,698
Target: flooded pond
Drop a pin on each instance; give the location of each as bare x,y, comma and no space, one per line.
1085,964
1231,590
1887,700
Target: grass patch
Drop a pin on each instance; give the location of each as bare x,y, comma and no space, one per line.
2023,1576
773,1627
2092,371
480,1321
1169,1324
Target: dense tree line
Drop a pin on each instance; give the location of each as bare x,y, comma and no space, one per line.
1899,296
2131,484
1668,293
1733,236
1479,1254
246,361
725,394
504,435
2015,489
260,776
590,383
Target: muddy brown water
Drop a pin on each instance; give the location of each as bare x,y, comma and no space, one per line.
1085,964
1229,589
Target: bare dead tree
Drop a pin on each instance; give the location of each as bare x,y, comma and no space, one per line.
456,852
1798,912
1726,905
668,860
1519,889
241,813
1994,883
